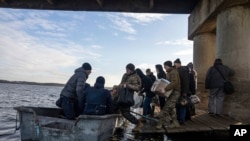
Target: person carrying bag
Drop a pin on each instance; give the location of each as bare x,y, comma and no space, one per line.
228,86
217,83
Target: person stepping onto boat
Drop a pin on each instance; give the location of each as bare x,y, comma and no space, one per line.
72,91
168,113
97,100
132,82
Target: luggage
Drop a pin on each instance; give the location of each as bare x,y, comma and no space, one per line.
160,84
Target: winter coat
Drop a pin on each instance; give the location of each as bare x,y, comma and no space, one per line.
184,79
74,88
213,77
152,77
192,83
132,81
97,101
173,77
146,84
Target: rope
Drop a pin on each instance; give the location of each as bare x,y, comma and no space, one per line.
149,118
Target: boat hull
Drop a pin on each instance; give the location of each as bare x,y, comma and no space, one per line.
45,124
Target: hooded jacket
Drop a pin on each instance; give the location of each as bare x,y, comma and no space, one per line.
97,101
146,84
74,88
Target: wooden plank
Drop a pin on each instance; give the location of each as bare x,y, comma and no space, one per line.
200,127
208,121
198,123
227,121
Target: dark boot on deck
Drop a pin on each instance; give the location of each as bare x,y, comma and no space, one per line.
138,127
174,124
159,125
142,120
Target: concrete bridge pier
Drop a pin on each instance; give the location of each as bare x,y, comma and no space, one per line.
203,56
233,47
220,29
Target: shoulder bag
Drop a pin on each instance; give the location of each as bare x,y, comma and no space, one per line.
228,86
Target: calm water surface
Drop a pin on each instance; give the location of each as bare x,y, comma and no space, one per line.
13,95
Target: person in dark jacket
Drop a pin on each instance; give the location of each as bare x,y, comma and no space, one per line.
72,91
161,74
215,82
150,75
192,88
181,110
146,87
97,99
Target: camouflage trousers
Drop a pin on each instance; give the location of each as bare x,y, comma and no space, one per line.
168,112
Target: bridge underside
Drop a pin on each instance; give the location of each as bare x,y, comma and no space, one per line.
138,6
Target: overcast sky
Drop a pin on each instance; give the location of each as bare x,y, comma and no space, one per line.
47,46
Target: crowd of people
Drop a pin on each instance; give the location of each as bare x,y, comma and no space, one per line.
78,97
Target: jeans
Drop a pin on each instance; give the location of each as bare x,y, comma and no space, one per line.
181,112
146,106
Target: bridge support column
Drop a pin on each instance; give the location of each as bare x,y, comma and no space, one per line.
233,47
203,57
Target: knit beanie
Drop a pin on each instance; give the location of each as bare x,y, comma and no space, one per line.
86,66
130,66
168,63
177,61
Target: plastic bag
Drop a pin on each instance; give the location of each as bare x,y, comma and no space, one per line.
138,100
194,99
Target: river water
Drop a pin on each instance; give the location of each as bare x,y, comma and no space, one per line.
13,95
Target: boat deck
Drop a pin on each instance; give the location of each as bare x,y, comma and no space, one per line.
202,122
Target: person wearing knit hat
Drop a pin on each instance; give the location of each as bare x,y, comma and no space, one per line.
97,99
132,82
168,114
73,90
214,81
177,61
86,66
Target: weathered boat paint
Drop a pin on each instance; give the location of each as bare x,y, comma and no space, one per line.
44,124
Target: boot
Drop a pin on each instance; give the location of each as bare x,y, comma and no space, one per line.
174,124
142,120
138,127
159,125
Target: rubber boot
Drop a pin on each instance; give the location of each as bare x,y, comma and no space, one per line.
174,124
138,127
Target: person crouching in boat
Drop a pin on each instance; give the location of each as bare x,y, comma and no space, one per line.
73,90
97,100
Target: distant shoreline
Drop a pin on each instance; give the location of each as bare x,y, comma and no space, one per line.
31,83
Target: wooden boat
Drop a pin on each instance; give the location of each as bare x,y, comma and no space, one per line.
45,124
